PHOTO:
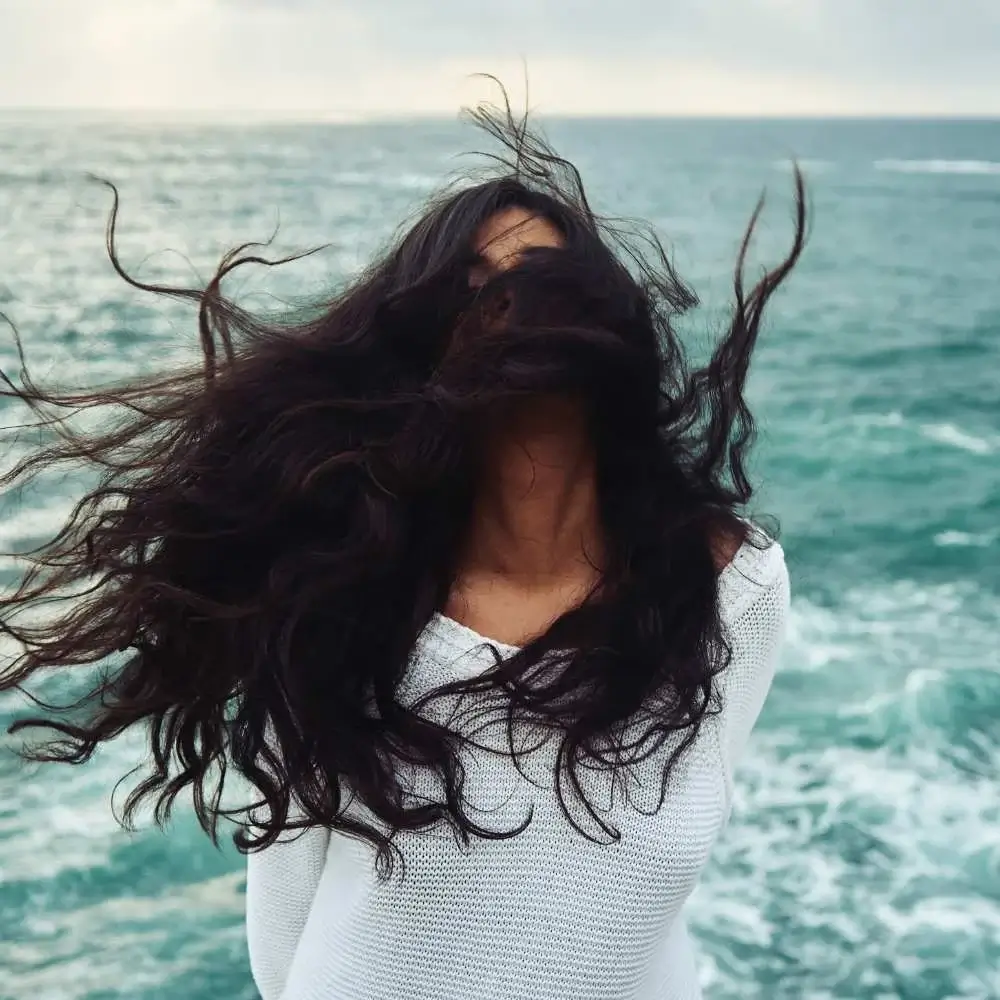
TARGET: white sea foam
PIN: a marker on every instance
(966, 539)
(126, 942)
(66, 815)
(939, 166)
(35, 521)
(943, 433)
(891, 419)
(861, 842)
(848, 834)
(64, 820)
(364, 179)
(896, 625)
(949, 434)
(222, 894)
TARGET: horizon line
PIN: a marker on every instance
(359, 117)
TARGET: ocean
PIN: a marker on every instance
(863, 856)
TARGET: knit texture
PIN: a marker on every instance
(549, 914)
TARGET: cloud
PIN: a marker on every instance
(640, 56)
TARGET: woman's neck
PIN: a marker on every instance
(535, 519)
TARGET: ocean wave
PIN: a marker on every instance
(942, 433)
(895, 625)
(39, 521)
(965, 539)
(365, 179)
(137, 934)
(954, 436)
(855, 852)
(893, 667)
(865, 420)
(939, 166)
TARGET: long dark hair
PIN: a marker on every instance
(274, 527)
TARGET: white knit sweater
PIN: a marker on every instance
(549, 914)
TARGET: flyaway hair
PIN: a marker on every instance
(274, 527)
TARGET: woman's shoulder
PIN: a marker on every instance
(754, 571)
(725, 542)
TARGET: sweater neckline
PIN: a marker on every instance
(459, 636)
(449, 628)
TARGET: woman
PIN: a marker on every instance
(439, 570)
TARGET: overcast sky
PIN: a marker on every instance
(583, 56)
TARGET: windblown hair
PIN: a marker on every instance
(274, 527)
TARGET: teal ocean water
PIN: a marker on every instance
(863, 859)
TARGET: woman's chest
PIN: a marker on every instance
(569, 904)
(626, 833)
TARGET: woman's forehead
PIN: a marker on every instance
(506, 233)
